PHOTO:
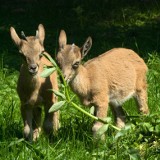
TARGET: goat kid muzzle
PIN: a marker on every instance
(67, 79)
(33, 69)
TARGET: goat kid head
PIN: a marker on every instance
(69, 56)
(30, 47)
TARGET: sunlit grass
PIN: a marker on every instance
(133, 24)
(75, 140)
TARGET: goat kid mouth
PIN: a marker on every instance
(67, 80)
(33, 73)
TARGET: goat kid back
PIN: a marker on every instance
(32, 88)
(107, 80)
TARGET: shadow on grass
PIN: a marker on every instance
(131, 24)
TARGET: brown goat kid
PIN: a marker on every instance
(32, 88)
(109, 79)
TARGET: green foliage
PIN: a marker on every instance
(47, 71)
(116, 23)
(56, 106)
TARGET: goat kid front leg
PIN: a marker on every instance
(27, 115)
(101, 109)
(36, 122)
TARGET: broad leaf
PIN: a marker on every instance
(107, 119)
(92, 110)
(56, 106)
(102, 130)
(47, 72)
(119, 134)
(57, 93)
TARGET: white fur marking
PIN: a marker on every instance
(118, 101)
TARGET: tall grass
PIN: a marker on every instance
(131, 24)
(139, 140)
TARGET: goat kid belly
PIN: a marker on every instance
(117, 99)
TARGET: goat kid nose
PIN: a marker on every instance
(65, 77)
(33, 69)
(33, 66)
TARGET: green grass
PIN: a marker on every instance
(140, 140)
(131, 24)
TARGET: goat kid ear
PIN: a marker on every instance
(62, 39)
(15, 37)
(86, 47)
(40, 33)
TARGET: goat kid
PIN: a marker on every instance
(109, 79)
(32, 88)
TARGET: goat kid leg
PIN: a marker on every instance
(27, 115)
(119, 115)
(36, 122)
(101, 106)
(141, 99)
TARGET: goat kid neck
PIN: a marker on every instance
(80, 84)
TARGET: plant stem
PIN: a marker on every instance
(83, 111)
(92, 116)
(65, 84)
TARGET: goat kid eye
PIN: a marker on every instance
(41, 54)
(75, 65)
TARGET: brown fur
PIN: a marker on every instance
(109, 79)
(32, 88)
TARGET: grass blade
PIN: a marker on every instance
(16, 142)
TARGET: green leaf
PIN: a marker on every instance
(127, 127)
(56, 106)
(134, 157)
(107, 119)
(157, 128)
(92, 110)
(148, 127)
(57, 93)
(134, 154)
(47, 71)
(119, 134)
(102, 130)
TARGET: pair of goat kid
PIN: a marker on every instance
(107, 80)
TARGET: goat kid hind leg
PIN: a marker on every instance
(119, 115)
(141, 99)
(141, 96)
